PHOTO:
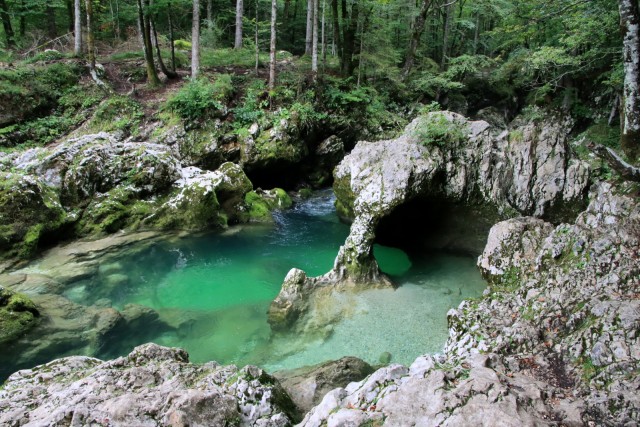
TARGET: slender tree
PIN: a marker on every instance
(239, 14)
(308, 42)
(195, 40)
(630, 26)
(446, 35)
(91, 47)
(171, 37)
(52, 29)
(314, 44)
(171, 74)
(6, 24)
(272, 46)
(77, 28)
(145, 26)
(418, 28)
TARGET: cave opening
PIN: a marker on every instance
(428, 225)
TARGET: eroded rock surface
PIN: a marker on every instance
(530, 172)
(98, 184)
(151, 386)
(553, 341)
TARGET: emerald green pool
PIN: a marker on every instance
(214, 290)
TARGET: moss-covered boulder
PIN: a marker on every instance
(17, 315)
(29, 211)
(204, 200)
(260, 203)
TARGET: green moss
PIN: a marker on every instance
(261, 204)
(18, 314)
(258, 208)
(344, 197)
(118, 113)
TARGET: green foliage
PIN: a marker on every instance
(252, 106)
(47, 55)
(199, 99)
(229, 57)
(118, 113)
(437, 129)
(182, 44)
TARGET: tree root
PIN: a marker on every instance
(626, 171)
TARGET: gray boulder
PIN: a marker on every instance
(151, 386)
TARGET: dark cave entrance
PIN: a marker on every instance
(433, 224)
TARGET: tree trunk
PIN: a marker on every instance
(195, 40)
(145, 24)
(91, 48)
(171, 37)
(308, 39)
(349, 46)
(52, 30)
(6, 24)
(336, 27)
(323, 37)
(445, 37)
(210, 13)
(418, 28)
(69, 4)
(169, 73)
(272, 46)
(23, 20)
(77, 28)
(239, 13)
(630, 26)
(314, 43)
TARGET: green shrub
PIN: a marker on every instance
(437, 129)
(197, 100)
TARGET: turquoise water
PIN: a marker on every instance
(212, 293)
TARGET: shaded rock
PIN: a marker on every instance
(18, 314)
(308, 385)
(29, 211)
(152, 386)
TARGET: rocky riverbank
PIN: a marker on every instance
(553, 341)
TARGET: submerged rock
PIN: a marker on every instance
(151, 386)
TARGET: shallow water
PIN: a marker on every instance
(214, 291)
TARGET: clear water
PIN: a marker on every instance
(214, 290)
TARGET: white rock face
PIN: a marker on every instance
(530, 173)
(151, 386)
(552, 341)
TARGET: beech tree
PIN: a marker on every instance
(195, 40)
(239, 15)
(77, 27)
(630, 26)
(272, 46)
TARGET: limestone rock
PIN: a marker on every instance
(151, 386)
(307, 386)
(532, 174)
(551, 342)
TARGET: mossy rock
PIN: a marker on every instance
(29, 210)
(18, 314)
(345, 197)
(261, 203)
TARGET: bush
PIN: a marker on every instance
(198, 99)
(437, 129)
(117, 113)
